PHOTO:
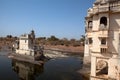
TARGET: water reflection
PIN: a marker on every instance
(54, 69)
(26, 71)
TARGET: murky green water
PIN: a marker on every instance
(54, 69)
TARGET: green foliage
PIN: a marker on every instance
(9, 36)
(82, 39)
(52, 38)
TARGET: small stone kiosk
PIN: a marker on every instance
(102, 45)
(26, 49)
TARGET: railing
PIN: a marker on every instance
(103, 32)
(103, 46)
(115, 8)
(103, 28)
(104, 50)
(106, 9)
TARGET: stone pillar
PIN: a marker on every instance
(93, 66)
(87, 57)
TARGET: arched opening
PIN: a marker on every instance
(90, 24)
(103, 22)
(102, 68)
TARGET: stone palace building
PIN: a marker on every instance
(102, 45)
(25, 48)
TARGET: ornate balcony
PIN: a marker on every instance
(115, 8)
(103, 50)
(103, 34)
(103, 46)
(89, 26)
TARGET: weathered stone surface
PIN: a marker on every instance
(101, 64)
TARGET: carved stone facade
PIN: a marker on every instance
(102, 45)
(25, 46)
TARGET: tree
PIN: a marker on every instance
(65, 41)
(82, 39)
(72, 40)
(52, 38)
(9, 36)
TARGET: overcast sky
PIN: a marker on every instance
(62, 18)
